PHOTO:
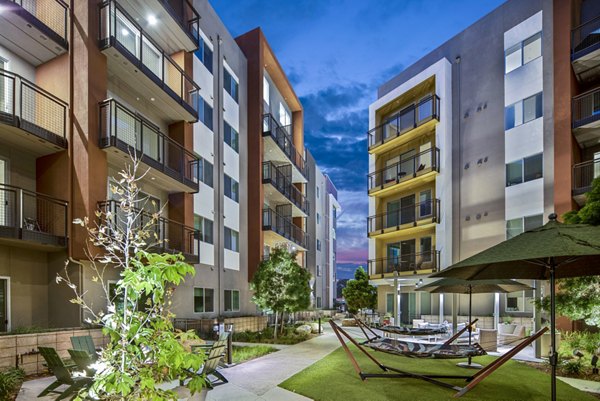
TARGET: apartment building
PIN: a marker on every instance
(321, 257)
(462, 155)
(277, 172)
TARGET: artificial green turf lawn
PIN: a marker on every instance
(333, 378)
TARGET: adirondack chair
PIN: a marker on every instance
(63, 376)
(83, 360)
(214, 355)
(85, 343)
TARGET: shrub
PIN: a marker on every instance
(572, 366)
(10, 380)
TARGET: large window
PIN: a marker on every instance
(232, 240)
(230, 84)
(523, 52)
(231, 137)
(527, 169)
(232, 300)
(516, 226)
(205, 228)
(205, 111)
(519, 301)
(204, 300)
(523, 111)
(284, 116)
(231, 189)
(205, 55)
(389, 303)
(266, 91)
(205, 172)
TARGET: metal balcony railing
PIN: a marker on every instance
(273, 175)
(428, 210)
(186, 15)
(405, 169)
(31, 216)
(284, 226)
(585, 37)
(52, 13)
(130, 132)
(583, 175)
(119, 30)
(171, 236)
(586, 108)
(25, 105)
(281, 136)
(410, 263)
(407, 119)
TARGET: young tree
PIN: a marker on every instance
(577, 298)
(144, 349)
(359, 294)
(281, 284)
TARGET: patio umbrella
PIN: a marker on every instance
(460, 286)
(552, 251)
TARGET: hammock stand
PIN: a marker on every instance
(394, 373)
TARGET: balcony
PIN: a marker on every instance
(173, 24)
(405, 174)
(32, 220)
(282, 229)
(281, 190)
(585, 50)
(31, 118)
(409, 219)
(124, 132)
(410, 264)
(583, 175)
(36, 30)
(170, 236)
(586, 118)
(139, 62)
(409, 123)
(279, 146)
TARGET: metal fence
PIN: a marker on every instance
(405, 169)
(583, 175)
(413, 262)
(586, 108)
(284, 226)
(52, 13)
(273, 175)
(187, 16)
(427, 210)
(282, 137)
(585, 36)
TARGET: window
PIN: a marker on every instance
(266, 91)
(205, 172)
(232, 300)
(204, 300)
(231, 137)
(284, 116)
(205, 111)
(319, 271)
(318, 245)
(426, 249)
(523, 111)
(205, 228)
(425, 203)
(232, 240)
(318, 218)
(527, 169)
(231, 188)
(516, 226)
(318, 192)
(230, 84)
(523, 52)
(389, 303)
(519, 301)
(319, 302)
(205, 55)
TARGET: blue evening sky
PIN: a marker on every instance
(336, 53)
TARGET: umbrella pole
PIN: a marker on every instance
(469, 364)
(553, 355)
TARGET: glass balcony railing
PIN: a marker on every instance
(130, 132)
(583, 175)
(285, 227)
(281, 136)
(406, 120)
(407, 168)
(119, 30)
(274, 176)
(427, 210)
(169, 236)
(25, 105)
(33, 217)
(409, 263)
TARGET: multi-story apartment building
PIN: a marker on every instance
(277, 204)
(463, 153)
(321, 257)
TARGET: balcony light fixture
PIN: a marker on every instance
(152, 20)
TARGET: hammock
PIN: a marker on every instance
(423, 350)
(414, 331)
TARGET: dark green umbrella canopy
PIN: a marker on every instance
(575, 249)
(460, 286)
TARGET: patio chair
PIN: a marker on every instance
(214, 355)
(83, 360)
(63, 376)
(85, 343)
